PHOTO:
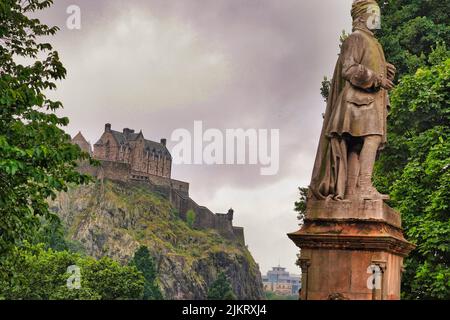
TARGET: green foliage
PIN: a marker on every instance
(221, 289)
(344, 35)
(300, 205)
(410, 28)
(38, 273)
(420, 101)
(144, 262)
(269, 295)
(325, 88)
(190, 218)
(36, 156)
(414, 169)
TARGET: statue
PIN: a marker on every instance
(354, 127)
(352, 248)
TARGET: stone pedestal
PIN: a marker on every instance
(351, 250)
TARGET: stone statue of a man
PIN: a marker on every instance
(354, 127)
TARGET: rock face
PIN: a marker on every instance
(115, 218)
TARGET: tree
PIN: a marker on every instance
(414, 166)
(221, 289)
(37, 273)
(325, 88)
(36, 156)
(410, 28)
(300, 205)
(144, 262)
(414, 169)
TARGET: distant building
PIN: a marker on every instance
(279, 281)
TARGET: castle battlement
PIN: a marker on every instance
(128, 157)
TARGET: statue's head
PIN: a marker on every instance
(366, 13)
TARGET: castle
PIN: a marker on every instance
(129, 157)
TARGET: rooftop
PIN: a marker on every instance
(128, 135)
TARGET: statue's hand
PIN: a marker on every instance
(391, 71)
(387, 84)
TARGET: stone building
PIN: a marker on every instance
(82, 143)
(279, 281)
(143, 155)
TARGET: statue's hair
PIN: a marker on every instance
(357, 1)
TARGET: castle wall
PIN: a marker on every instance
(84, 167)
(224, 225)
(161, 181)
(180, 186)
(205, 218)
(239, 234)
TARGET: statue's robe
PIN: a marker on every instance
(357, 107)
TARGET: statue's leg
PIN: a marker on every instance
(367, 162)
(352, 174)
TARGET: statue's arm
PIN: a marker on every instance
(357, 74)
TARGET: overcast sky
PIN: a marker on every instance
(159, 65)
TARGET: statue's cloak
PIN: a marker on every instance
(330, 167)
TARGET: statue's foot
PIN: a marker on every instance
(370, 193)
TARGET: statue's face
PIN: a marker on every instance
(374, 19)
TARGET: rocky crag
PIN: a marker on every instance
(114, 218)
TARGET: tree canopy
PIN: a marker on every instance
(414, 168)
(415, 171)
(144, 262)
(410, 28)
(37, 273)
(221, 289)
(36, 156)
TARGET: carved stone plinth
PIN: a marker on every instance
(351, 250)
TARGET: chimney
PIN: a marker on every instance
(108, 127)
(127, 131)
(164, 142)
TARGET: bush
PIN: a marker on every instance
(36, 273)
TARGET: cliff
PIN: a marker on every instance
(115, 218)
